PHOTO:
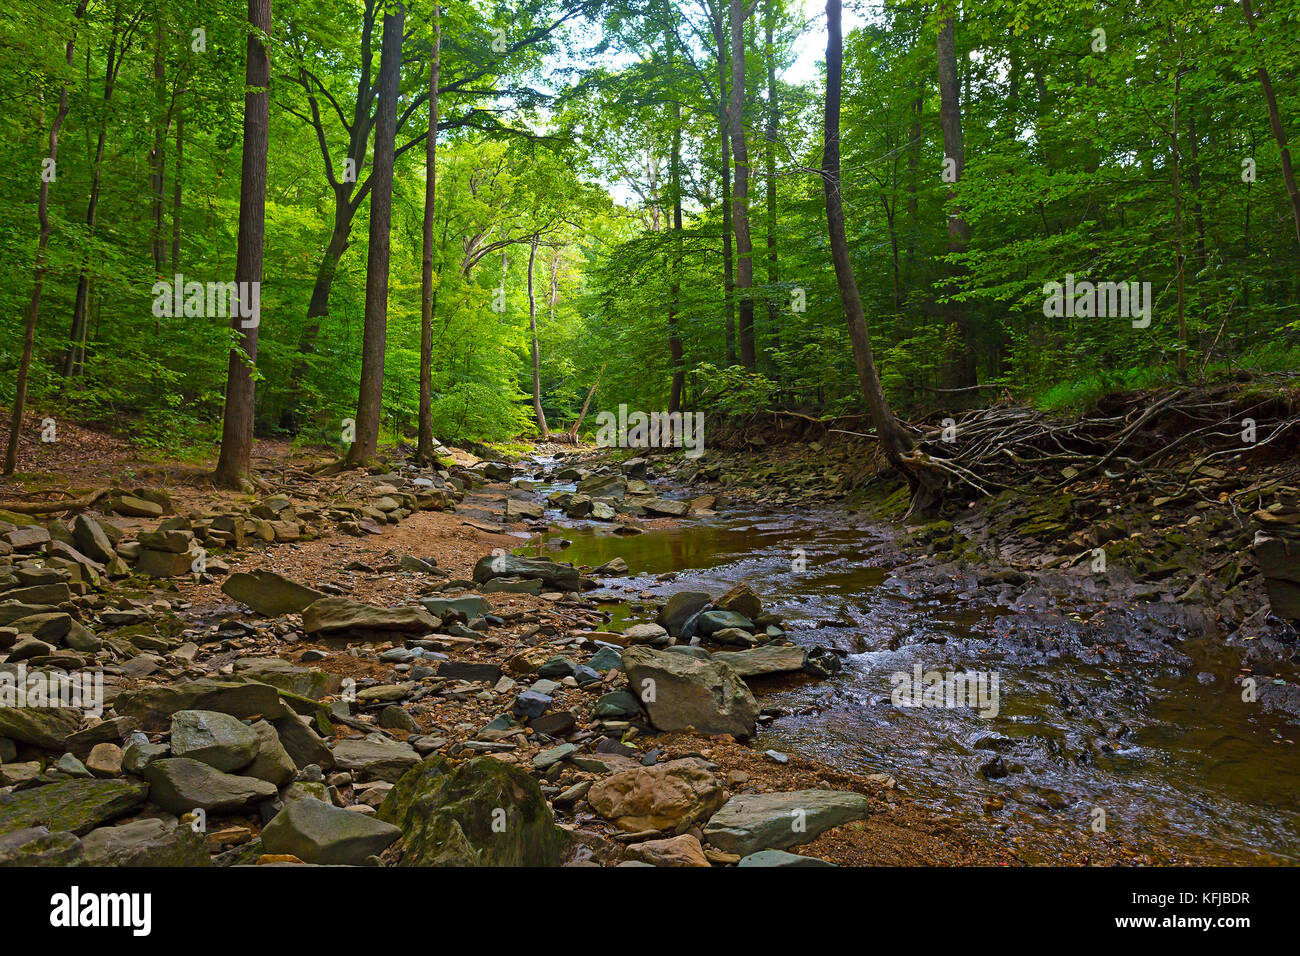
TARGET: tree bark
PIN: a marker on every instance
(1275, 121)
(773, 119)
(237, 428)
(740, 194)
(894, 441)
(675, 353)
(537, 356)
(41, 266)
(424, 443)
(728, 261)
(176, 189)
(962, 365)
(374, 337)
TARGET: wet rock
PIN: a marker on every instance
(561, 577)
(706, 695)
(334, 616)
(769, 659)
(680, 607)
(710, 622)
(216, 739)
(270, 594)
(147, 842)
(180, 784)
(742, 600)
(669, 796)
(77, 806)
(733, 637)
(482, 813)
(651, 634)
(753, 822)
(316, 832)
(682, 850)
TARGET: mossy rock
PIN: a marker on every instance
(482, 813)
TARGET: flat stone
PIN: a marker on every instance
(319, 833)
(752, 822)
(375, 758)
(335, 615)
(270, 594)
(780, 858)
(45, 727)
(180, 784)
(679, 607)
(77, 806)
(683, 850)
(153, 706)
(769, 659)
(146, 842)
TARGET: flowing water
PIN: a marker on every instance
(1152, 742)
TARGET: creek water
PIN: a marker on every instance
(1152, 743)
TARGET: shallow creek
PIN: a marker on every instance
(1152, 741)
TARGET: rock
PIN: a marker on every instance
(396, 717)
(617, 705)
(105, 760)
(304, 746)
(733, 637)
(146, 842)
(270, 594)
(670, 796)
(603, 486)
(482, 813)
(180, 784)
(711, 622)
(316, 832)
(769, 659)
(780, 858)
(165, 564)
(616, 566)
(27, 538)
(133, 507)
(662, 506)
(530, 704)
(468, 671)
(517, 509)
(153, 706)
(37, 846)
(272, 763)
(752, 822)
(216, 739)
(683, 692)
(680, 606)
(546, 759)
(91, 539)
(174, 541)
(286, 676)
(682, 850)
(375, 758)
(742, 600)
(77, 806)
(606, 659)
(45, 727)
(1278, 559)
(561, 577)
(335, 615)
(652, 634)
(470, 606)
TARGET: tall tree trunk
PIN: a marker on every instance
(962, 364)
(73, 357)
(728, 262)
(537, 354)
(1180, 259)
(1275, 121)
(176, 189)
(40, 268)
(424, 443)
(894, 441)
(740, 195)
(158, 155)
(675, 353)
(374, 338)
(773, 120)
(237, 428)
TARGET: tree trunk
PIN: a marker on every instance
(176, 190)
(38, 278)
(728, 266)
(895, 442)
(773, 309)
(424, 443)
(158, 156)
(370, 400)
(537, 355)
(1275, 121)
(740, 194)
(237, 429)
(675, 353)
(1180, 259)
(962, 365)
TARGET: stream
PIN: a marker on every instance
(1151, 743)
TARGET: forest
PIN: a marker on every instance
(602, 433)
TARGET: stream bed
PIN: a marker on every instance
(1108, 717)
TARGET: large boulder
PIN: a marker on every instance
(669, 796)
(561, 577)
(217, 739)
(146, 842)
(679, 608)
(47, 727)
(742, 600)
(153, 706)
(272, 763)
(77, 806)
(333, 616)
(270, 594)
(762, 821)
(482, 813)
(680, 692)
(316, 832)
(180, 784)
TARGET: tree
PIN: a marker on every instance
(1275, 123)
(424, 442)
(962, 363)
(42, 242)
(237, 425)
(740, 195)
(375, 335)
